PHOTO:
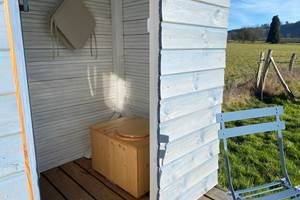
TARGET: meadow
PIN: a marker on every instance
(255, 158)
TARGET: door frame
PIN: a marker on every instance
(17, 56)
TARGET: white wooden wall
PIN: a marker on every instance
(13, 179)
(193, 42)
(70, 92)
(136, 56)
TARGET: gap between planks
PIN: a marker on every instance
(77, 180)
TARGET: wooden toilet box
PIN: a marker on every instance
(120, 152)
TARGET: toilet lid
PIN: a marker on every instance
(136, 129)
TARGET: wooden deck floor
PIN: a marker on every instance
(78, 181)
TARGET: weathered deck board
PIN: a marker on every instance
(77, 180)
(86, 164)
(97, 189)
(66, 185)
(48, 192)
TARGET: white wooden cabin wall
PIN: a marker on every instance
(70, 92)
(13, 178)
(136, 56)
(193, 42)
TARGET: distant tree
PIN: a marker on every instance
(274, 32)
(265, 26)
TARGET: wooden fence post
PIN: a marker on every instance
(292, 62)
(264, 73)
(259, 69)
(282, 81)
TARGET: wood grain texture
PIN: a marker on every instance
(9, 116)
(94, 184)
(86, 164)
(13, 186)
(217, 193)
(11, 154)
(181, 36)
(124, 162)
(187, 11)
(194, 186)
(193, 42)
(97, 189)
(178, 106)
(48, 192)
(191, 142)
(189, 123)
(185, 83)
(224, 3)
(7, 84)
(4, 45)
(183, 61)
(170, 173)
(67, 186)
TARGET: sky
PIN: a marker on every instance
(245, 13)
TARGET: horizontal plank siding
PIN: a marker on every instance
(179, 168)
(175, 190)
(187, 12)
(9, 115)
(71, 91)
(12, 187)
(7, 84)
(177, 106)
(136, 56)
(13, 180)
(185, 83)
(173, 61)
(223, 3)
(193, 42)
(185, 145)
(4, 45)
(189, 123)
(182, 36)
(12, 155)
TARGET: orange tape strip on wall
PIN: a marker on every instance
(18, 94)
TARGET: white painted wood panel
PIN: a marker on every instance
(180, 36)
(185, 83)
(174, 62)
(178, 188)
(12, 187)
(136, 27)
(137, 10)
(177, 106)
(13, 180)
(187, 11)
(9, 115)
(12, 155)
(190, 143)
(201, 188)
(182, 126)
(7, 84)
(4, 44)
(171, 172)
(193, 42)
(23, 99)
(70, 92)
(224, 3)
(136, 56)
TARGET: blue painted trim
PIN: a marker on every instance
(249, 114)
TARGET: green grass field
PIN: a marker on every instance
(255, 158)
